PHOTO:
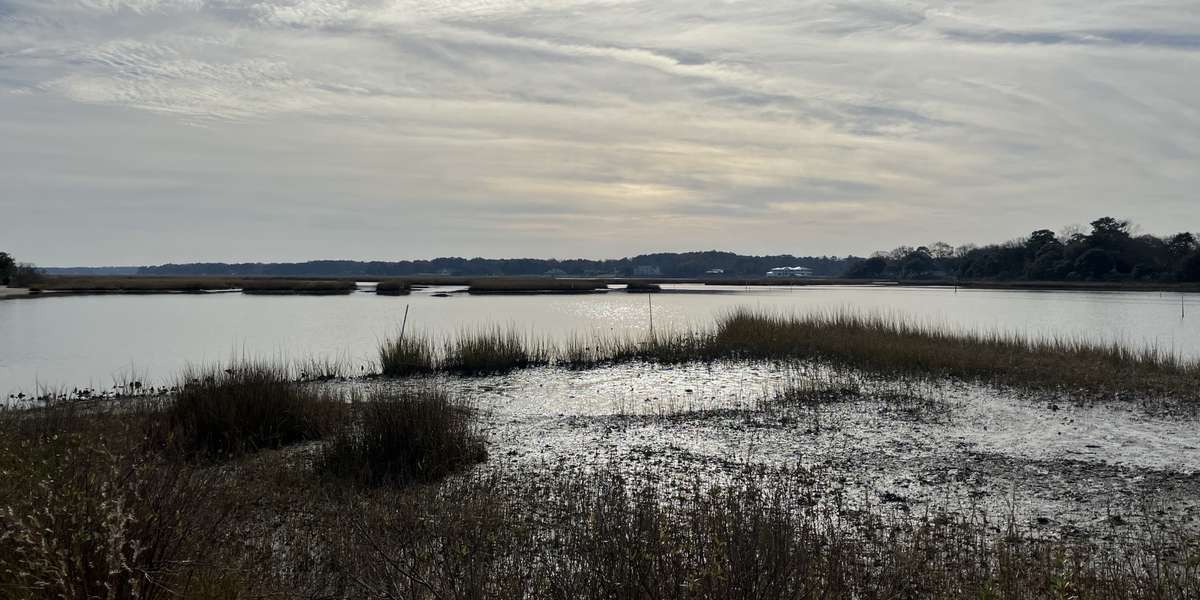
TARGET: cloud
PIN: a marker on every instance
(841, 126)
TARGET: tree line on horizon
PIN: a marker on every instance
(665, 264)
(1111, 251)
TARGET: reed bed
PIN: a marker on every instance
(884, 345)
(297, 287)
(245, 407)
(494, 351)
(608, 535)
(893, 345)
(90, 509)
(416, 435)
(135, 285)
(517, 285)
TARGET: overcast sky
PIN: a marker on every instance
(149, 131)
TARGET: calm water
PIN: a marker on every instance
(94, 340)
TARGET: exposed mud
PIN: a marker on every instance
(1094, 470)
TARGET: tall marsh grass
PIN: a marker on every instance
(87, 512)
(761, 536)
(414, 435)
(245, 407)
(893, 345)
(885, 345)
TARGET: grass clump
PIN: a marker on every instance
(493, 351)
(244, 408)
(412, 436)
(409, 354)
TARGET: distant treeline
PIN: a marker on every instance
(1111, 251)
(685, 264)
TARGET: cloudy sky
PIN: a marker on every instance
(148, 131)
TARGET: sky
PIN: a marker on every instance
(150, 131)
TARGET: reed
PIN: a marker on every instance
(494, 350)
(245, 407)
(407, 354)
(517, 285)
(761, 536)
(415, 435)
(297, 287)
(892, 345)
(134, 285)
(86, 512)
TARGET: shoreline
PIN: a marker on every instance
(152, 286)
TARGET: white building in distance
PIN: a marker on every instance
(782, 272)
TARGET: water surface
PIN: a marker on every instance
(94, 340)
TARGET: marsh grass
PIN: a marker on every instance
(135, 285)
(245, 407)
(415, 435)
(518, 285)
(885, 346)
(494, 350)
(407, 354)
(321, 369)
(393, 287)
(87, 512)
(893, 346)
(329, 287)
(760, 536)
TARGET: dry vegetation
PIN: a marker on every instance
(887, 346)
(519, 285)
(91, 511)
(195, 285)
(297, 287)
(134, 285)
(393, 287)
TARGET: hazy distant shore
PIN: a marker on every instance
(62, 286)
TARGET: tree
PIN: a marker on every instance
(1190, 269)
(1095, 263)
(25, 274)
(1181, 245)
(917, 264)
(7, 265)
(866, 269)
(1039, 240)
(1108, 233)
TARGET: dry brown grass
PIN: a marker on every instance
(894, 346)
(413, 435)
(222, 412)
(519, 285)
(135, 285)
(87, 511)
(297, 287)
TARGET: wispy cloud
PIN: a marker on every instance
(571, 127)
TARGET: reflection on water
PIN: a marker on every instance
(92, 340)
